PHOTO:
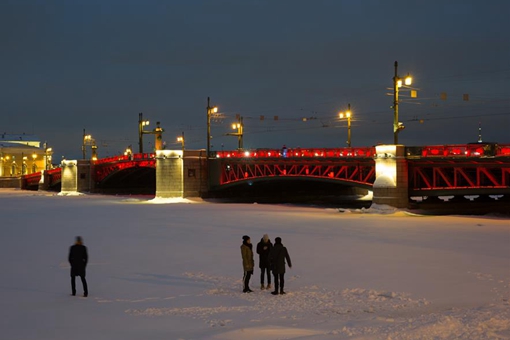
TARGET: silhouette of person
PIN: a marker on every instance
(277, 257)
(78, 258)
(248, 263)
(263, 249)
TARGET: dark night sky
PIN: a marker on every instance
(70, 65)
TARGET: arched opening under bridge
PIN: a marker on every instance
(294, 190)
(135, 181)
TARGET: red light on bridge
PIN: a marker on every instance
(456, 152)
(504, 151)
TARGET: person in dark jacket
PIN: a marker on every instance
(248, 263)
(78, 259)
(277, 257)
(263, 249)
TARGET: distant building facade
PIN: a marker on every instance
(22, 154)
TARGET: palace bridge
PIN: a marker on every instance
(393, 173)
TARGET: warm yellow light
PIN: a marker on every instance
(348, 114)
(34, 156)
(341, 115)
(49, 150)
(215, 109)
(409, 80)
(399, 83)
(180, 139)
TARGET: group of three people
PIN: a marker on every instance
(271, 258)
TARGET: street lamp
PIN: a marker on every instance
(397, 83)
(128, 152)
(347, 114)
(47, 156)
(141, 124)
(181, 140)
(94, 152)
(87, 140)
(210, 110)
(239, 126)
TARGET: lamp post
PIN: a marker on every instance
(87, 140)
(47, 156)
(94, 152)
(347, 114)
(141, 124)
(397, 83)
(128, 152)
(181, 140)
(239, 126)
(210, 110)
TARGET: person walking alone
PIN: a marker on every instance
(78, 258)
(263, 249)
(248, 263)
(277, 257)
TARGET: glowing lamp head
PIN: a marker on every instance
(341, 115)
(408, 80)
(399, 83)
(214, 109)
(348, 114)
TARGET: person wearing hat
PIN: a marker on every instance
(248, 263)
(277, 257)
(78, 259)
(263, 249)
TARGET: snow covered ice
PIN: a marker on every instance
(169, 269)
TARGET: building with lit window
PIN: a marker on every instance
(23, 154)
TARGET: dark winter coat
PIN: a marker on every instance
(264, 253)
(78, 259)
(277, 256)
(247, 255)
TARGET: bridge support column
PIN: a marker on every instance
(44, 181)
(391, 176)
(169, 174)
(76, 176)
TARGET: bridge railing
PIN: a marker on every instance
(460, 150)
(298, 153)
(30, 179)
(135, 156)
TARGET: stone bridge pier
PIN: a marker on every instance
(169, 174)
(181, 174)
(76, 176)
(391, 185)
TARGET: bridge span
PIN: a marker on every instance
(389, 171)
